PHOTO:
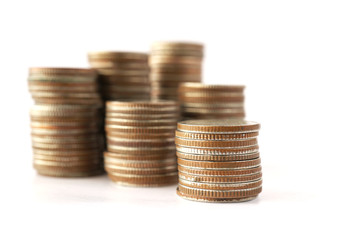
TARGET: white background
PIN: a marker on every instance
(300, 61)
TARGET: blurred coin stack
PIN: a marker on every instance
(122, 75)
(140, 140)
(66, 122)
(218, 160)
(201, 101)
(173, 63)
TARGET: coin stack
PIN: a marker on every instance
(64, 86)
(200, 101)
(122, 75)
(140, 140)
(218, 160)
(173, 63)
(65, 122)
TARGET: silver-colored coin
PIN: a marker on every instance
(220, 151)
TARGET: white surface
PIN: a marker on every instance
(300, 62)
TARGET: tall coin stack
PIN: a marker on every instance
(65, 122)
(173, 63)
(122, 75)
(218, 160)
(201, 101)
(140, 140)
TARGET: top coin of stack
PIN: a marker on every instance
(64, 86)
(201, 101)
(218, 160)
(123, 75)
(172, 63)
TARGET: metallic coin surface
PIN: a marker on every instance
(220, 179)
(221, 186)
(222, 172)
(250, 192)
(214, 200)
(215, 137)
(215, 144)
(219, 165)
(218, 126)
(220, 158)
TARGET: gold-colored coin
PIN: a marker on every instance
(242, 193)
(214, 200)
(215, 137)
(219, 165)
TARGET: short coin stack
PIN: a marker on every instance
(140, 140)
(64, 86)
(173, 63)
(66, 132)
(218, 160)
(122, 75)
(201, 101)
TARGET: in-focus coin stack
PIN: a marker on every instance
(66, 122)
(218, 160)
(140, 141)
(173, 63)
(201, 101)
(122, 75)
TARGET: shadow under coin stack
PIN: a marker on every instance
(201, 101)
(66, 122)
(218, 160)
(173, 63)
(140, 140)
(122, 75)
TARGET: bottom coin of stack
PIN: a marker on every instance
(218, 160)
(66, 140)
(140, 141)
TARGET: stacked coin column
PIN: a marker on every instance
(140, 139)
(123, 75)
(218, 160)
(173, 63)
(65, 122)
(201, 101)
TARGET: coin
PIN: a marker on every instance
(221, 186)
(139, 171)
(140, 150)
(118, 55)
(219, 165)
(221, 158)
(62, 71)
(220, 179)
(215, 137)
(136, 157)
(214, 200)
(218, 151)
(141, 164)
(220, 88)
(216, 144)
(218, 126)
(178, 45)
(250, 192)
(210, 172)
(144, 180)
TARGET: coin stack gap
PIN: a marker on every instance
(66, 122)
(140, 140)
(122, 75)
(172, 63)
(201, 101)
(218, 160)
